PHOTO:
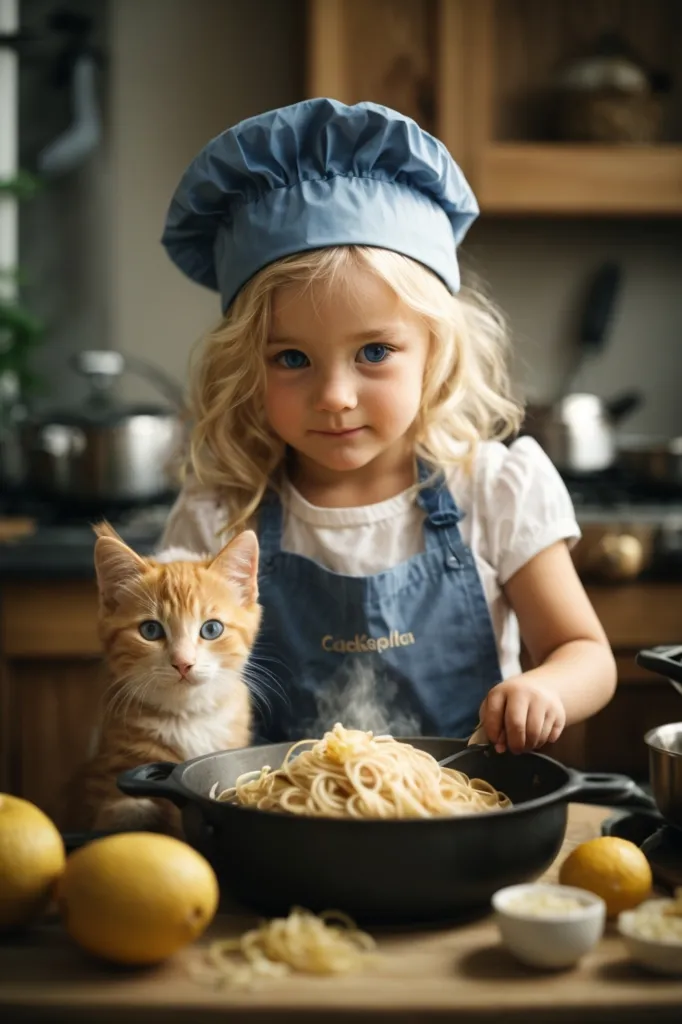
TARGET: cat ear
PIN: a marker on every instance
(238, 563)
(105, 529)
(115, 564)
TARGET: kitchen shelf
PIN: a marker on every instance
(479, 73)
(549, 178)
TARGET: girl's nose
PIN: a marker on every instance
(335, 392)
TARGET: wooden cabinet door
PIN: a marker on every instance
(51, 682)
(51, 708)
(407, 54)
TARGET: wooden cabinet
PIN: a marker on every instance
(51, 681)
(481, 74)
(52, 707)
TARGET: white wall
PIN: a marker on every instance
(181, 72)
(538, 269)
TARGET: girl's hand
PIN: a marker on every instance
(521, 715)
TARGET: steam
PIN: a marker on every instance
(362, 697)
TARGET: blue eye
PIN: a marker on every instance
(375, 353)
(211, 630)
(292, 359)
(152, 630)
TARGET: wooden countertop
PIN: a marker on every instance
(458, 974)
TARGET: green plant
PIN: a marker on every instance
(20, 330)
(22, 186)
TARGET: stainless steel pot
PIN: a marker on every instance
(665, 741)
(665, 769)
(105, 451)
(579, 431)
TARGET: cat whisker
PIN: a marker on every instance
(136, 690)
(259, 669)
(143, 690)
(259, 653)
(124, 711)
(260, 701)
(257, 689)
(263, 682)
(260, 672)
(259, 685)
(116, 700)
(269, 682)
(113, 683)
(266, 649)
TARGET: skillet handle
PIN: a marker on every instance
(613, 790)
(664, 661)
(153, 780)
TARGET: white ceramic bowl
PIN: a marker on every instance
(553, 939)
(663, 957)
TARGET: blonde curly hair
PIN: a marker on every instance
(466, 398)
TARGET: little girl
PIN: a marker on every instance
(351, 406)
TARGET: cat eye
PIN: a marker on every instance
(152, 630)
(211, 629)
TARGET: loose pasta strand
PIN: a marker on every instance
(303, 942)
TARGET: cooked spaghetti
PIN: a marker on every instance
(301, 942)
(354, 774)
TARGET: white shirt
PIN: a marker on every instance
(514, 505)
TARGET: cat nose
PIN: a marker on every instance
(182, 666)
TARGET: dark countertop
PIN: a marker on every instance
(57, 551)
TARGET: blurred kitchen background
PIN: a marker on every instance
(508, 84)
(567, 119)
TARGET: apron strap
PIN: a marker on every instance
(270, 525)
(442, 514)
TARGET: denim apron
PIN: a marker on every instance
(410, 650)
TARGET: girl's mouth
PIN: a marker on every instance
(338, 433)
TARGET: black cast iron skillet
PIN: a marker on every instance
(380, 871)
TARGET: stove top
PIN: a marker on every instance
(72, 513)
(613, 490)
(660, 841)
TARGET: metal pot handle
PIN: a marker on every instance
(103, 367)
(610, 789)
(154, 780)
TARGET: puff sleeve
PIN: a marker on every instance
(526, 507)
(194, 523)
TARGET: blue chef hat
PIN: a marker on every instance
(316, 174)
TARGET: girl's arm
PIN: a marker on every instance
(576, 671)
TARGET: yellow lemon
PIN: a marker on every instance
(31, 860)
(613, 868)
(137, 897)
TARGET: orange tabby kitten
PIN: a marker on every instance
(177, 636)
